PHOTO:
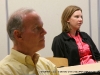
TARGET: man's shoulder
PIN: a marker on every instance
(7, 62)
(9, 66)
(5, 65)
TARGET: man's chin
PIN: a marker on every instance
(41, 47)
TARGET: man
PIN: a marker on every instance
(25, 29)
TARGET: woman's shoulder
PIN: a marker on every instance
(84, 34)
(60, 36)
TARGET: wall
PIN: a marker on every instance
(50, 12)
(3, 36)
(94, 22)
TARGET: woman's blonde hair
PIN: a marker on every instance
(67, 13)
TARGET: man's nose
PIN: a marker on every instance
(44, 32)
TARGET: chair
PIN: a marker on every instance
(59, 62)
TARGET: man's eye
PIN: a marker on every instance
(36, 28)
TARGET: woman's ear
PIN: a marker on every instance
(68, 21)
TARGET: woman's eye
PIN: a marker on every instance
(81, 16)
(77, 16)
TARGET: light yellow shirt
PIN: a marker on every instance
(19, 64)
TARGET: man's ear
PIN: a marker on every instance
(17, 35)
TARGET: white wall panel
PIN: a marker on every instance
(3, 34)
(98, 12)
(94, 21)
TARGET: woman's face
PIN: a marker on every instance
(76, 20)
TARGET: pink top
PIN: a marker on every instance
(84, 50)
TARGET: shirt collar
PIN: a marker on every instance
(24, 59)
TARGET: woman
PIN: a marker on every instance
(73, 44)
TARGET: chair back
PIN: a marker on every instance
(59, 62)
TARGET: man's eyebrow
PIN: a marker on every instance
(35, 26)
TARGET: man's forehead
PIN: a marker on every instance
(32, 18)
(32, 15)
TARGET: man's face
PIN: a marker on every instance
(33, 32)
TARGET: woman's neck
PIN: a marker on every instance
(73, 32)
